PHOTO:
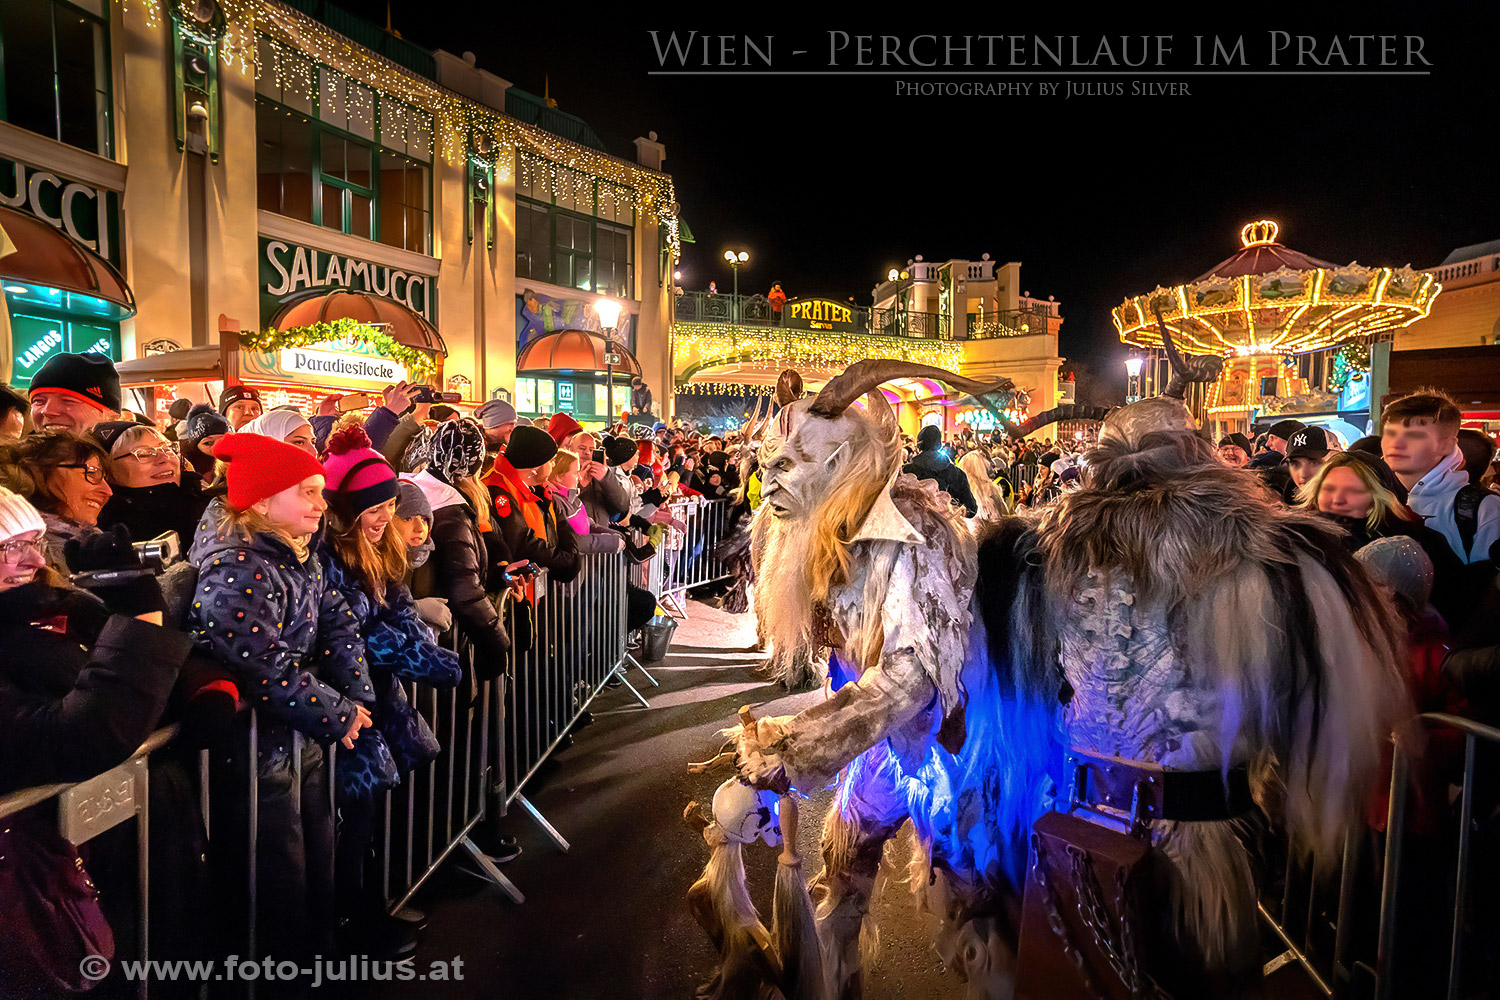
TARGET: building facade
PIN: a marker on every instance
(256, 170)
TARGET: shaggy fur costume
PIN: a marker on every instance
(1199, 626)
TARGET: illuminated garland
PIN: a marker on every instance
(705, 344)
(461, 126)
(725, 389)
(418, 363)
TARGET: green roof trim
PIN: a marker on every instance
(684, 234)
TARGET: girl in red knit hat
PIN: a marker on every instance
(264, 608)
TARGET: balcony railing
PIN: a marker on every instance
(1007, 323)
(755, 310)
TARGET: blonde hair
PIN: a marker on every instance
(376, 563)
(1382, 500)
(478, 496)
(838, 518)
(564, 462)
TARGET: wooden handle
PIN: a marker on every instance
(789, 831)
(747, 718)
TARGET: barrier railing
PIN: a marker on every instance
(687, 557)
(494, 737)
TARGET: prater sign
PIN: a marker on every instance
(819, 314)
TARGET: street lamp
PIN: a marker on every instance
(608, 311)
(1133, 386)
(736, 258)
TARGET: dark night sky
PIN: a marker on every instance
(830, 181)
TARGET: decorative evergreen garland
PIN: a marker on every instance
(418, 363)
(1350, 364)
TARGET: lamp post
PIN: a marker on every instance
(736, 258)
(608, 311)
(1133, 385)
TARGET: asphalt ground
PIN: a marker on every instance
(609, 918)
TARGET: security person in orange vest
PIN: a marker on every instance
(522, 514)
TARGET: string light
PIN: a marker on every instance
(703, 345)
(459, 124)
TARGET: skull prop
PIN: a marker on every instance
(746, 815)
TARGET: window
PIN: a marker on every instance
(55, 55)
(332, 152)
(526, 395)
(284, 162)
(574, 229)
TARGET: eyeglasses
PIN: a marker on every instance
(147, 454)
(17, 548)
(92, 474)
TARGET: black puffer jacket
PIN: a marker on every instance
(1448, 580)
(950, 478)
(80, 690)
(459, 567)
(150, 510)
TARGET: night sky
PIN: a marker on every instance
(829, 181)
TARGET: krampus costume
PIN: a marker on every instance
(879, 567)
(1216, 650)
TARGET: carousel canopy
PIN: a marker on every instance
(404, 325)
(1271, 299)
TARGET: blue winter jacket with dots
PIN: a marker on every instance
(288, 637)
(398, 647)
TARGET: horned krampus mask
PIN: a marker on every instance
(813, 442)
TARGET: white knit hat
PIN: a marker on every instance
(17, 516)
(278, 424)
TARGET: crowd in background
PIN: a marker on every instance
(321, 563)
(332, 556)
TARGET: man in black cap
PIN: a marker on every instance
(73, 392)
(240, 404)
(932, 462)
(1271, 463)
(1234, 450)
(1305, 452)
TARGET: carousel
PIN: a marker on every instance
(1263, 308)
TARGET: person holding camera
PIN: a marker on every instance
(264, 608)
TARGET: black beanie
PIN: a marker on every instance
(234, 393)
(204, 421)
(1238, 439)
(107, 432)
(91, 377)
(529, 448)
(618, 451)
(929, 437)
(179, 409)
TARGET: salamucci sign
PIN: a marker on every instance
(289, 271)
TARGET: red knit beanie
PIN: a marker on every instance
(258, 467)
(562, 426)
(359, 477)
(643, 452)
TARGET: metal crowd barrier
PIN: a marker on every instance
(1318, 917)
(688, 557)
(495, 736)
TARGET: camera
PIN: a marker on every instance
(156, 555)
(427, 394)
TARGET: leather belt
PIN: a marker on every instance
(1134, 792)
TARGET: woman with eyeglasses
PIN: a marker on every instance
(63, 476)
(153, 493)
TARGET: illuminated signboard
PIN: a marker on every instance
(819, 314)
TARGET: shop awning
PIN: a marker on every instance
(404, 325)
(574, 351)
(47, 265)
(191, 364)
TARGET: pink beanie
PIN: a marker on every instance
(359, 477)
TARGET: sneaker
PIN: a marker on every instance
(585, 718)
(411, 915)
(505, 852)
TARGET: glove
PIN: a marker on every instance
(434, 611)
(106, 550)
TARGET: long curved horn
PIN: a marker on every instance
(1064, 411)
(877, 406)
(788, 387)
(1185, 370)
(862, 376)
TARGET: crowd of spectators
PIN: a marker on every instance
(306, 565)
